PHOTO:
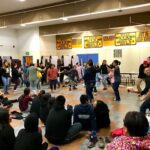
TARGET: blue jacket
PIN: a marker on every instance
(89, 75)
(84, 113)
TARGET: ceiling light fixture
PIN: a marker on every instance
(22, 0)
(23, 25)
(3, 27)
(88, 14)
(65, 19)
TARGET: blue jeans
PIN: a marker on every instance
(73, 132)
(33, 84)
(5, 81)
(104, 80)
(115, 87)
(89, 90)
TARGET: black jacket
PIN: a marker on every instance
(89, 75)
(28, 141)
(58, 124)
(15, 74)
(142, 75)
(35, 107)
(5, 72)
(103, 69)
(7, 137)
(147, 86)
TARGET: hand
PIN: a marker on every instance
(142, 98)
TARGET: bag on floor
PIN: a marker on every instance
(117, 132)
(16, 115)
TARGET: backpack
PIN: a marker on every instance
(102, 115)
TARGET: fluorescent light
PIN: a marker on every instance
(43, 21)
(3, 27)
(22, 0)
(65, 19)
(136, 6)
(23, 25)
(89, 14)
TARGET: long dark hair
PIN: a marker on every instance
(31, 123)
(4, 116)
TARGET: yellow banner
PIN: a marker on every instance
(109, 40)
(93, 41)
(76, 43)
(63, 44)
(122, 39)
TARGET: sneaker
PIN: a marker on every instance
(101, 143)
(92, 142)
(108, 139)
(6, 93)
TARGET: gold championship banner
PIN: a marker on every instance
(93, 41)
(98, 41)
(63, 44)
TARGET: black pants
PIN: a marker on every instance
(52, 84)
(145, 105)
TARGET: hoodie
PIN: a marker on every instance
(84, 113)
(58, 124)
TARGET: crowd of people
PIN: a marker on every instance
(64, 123)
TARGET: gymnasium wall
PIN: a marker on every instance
(29, 42)
(132, 56)
(8, 43)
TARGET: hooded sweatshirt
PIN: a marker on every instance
(58, 124)
(84, 113)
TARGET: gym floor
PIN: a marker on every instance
(129, 102)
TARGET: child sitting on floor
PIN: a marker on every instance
(24, 100)
(5, 102)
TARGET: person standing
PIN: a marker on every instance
(104, 73)
(33, 79)
(52, 73)
(117, 79)
(89, 79)
(15, 76)
(79, 70)
(141, 75)
(5, 76)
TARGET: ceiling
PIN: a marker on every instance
(74, 12)
(7, 6)
(89, 17)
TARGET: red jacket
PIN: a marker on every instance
(52, 73)
(24, 102)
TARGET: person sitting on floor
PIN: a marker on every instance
(84, 113)
(35, 106)
(58, 126)
(44, 107)
(146, 93)
(136, 130)
(102, 115)
(24, 100)
(7, 136)
(5, 102)
(30, 138)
